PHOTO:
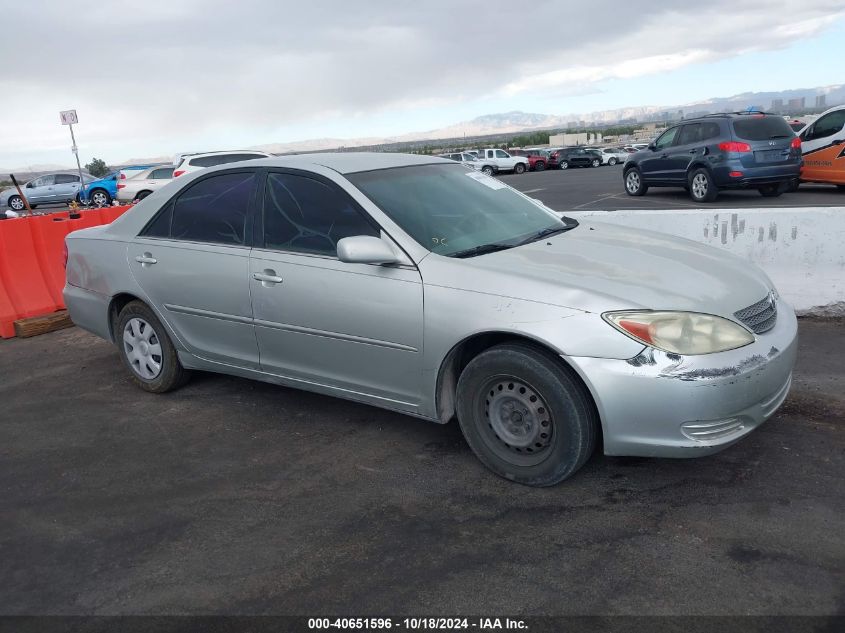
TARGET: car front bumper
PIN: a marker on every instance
(665, 405)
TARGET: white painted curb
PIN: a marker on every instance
(801, 249)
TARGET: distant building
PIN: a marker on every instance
(796, 104)
(821, 102)
(777, 105)
(567, 140)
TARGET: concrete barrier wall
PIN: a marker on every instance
(801, 249)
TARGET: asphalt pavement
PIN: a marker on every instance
(601, 189)
(237, 497)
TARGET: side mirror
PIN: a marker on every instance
(652, 146)
(365, 249)
(29, 185)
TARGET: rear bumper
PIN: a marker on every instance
(755, 176)
(661, 405)
(89, 310)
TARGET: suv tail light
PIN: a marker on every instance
(734, 146)
(178, 173)
(796, 143)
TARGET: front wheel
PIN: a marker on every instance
(519, 168)
(16, 203)
(564, 164)
(525, 416)
(701, 186)
(596, 162)
(634, 185)
(612, 161)
(540, 166)
(840, 187)
(487, 170)
(147, 351)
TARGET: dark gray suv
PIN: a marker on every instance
(721, 151)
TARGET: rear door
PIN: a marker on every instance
(65, 187)
(823, 145)
(192, 261)
(355, 328)
(686, 147)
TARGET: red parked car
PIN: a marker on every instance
(537, 160)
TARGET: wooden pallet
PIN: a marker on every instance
(33, 326)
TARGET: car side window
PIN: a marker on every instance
(38, 182)
(305, 215)
(212, 210)
(161, 174)
(64, 179)
(690, 133)
(666, 139)
(501, 154)
(710, 130)
(828, 125)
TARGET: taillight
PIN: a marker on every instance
(178, 172)
(734, 146)
(64, 255)
(796, 143)
(120, 185)
(122, 176)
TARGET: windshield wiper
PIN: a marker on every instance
(779, 136)
(481, 249)
(552, 230)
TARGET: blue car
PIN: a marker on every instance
(102, 192)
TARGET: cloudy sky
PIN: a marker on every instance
(151, 78)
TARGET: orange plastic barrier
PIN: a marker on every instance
(32, 273)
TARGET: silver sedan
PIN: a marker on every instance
(418, 285)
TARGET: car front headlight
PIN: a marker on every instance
(686, 333)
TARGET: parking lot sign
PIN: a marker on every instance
(68, 117)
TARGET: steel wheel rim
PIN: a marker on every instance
(16, 203)
(596, 163)
(516, 422)
(142, 347)
(632, 181)
(487, 171)
(699, 185)
(99, 198)
(564, 165)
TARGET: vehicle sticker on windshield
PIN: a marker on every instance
(487, 181)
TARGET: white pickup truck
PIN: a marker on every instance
(496, 160)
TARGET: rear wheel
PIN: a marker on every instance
(634, 185)
(612, 161)
(540, 166)
(793, 185)
(564, 164)
(701, 186)
(596, 162)
(16, 203)
(141, 195)
(487, 169)
(524, 416)
(519, 168)
(840, 187)
(770, 191)
(147, 351)
(100, 198)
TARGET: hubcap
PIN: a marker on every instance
(699, 186)
(632, 181)
(564, 165)
(16, 203)
(516, 416)
(142, 348)
(99, 198)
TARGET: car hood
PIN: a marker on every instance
(597, 267)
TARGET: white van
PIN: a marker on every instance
(823, 147)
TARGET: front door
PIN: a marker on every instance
(355, 328)
(192, 261)
(823, 147)
(655, 166)
(41, 191)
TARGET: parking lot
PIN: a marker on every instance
(238, 497)
(602, 189)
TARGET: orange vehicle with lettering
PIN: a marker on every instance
(823, 147)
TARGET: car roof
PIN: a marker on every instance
(225, 152)
(351, 162)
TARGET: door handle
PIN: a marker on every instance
(267, 277)
(146, 259)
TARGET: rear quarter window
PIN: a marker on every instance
(761, 128)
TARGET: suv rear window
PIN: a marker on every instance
(755, 128)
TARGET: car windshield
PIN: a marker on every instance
(449, 210)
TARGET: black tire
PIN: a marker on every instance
(519, 168)
(487, 169)
(634, 183)
(612, 161)
(701, 186)
(840, 187)
(16, 203)
(793, 185)
(171, 374)
(564, 164)
(770, 191)
(596, 162)
(539, 398)
(142, 194)
(540, 166)
(99, 198)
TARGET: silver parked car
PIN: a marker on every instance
(46, 189)
(142, 184)
(415, 284)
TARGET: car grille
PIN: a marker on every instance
(761, 316)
